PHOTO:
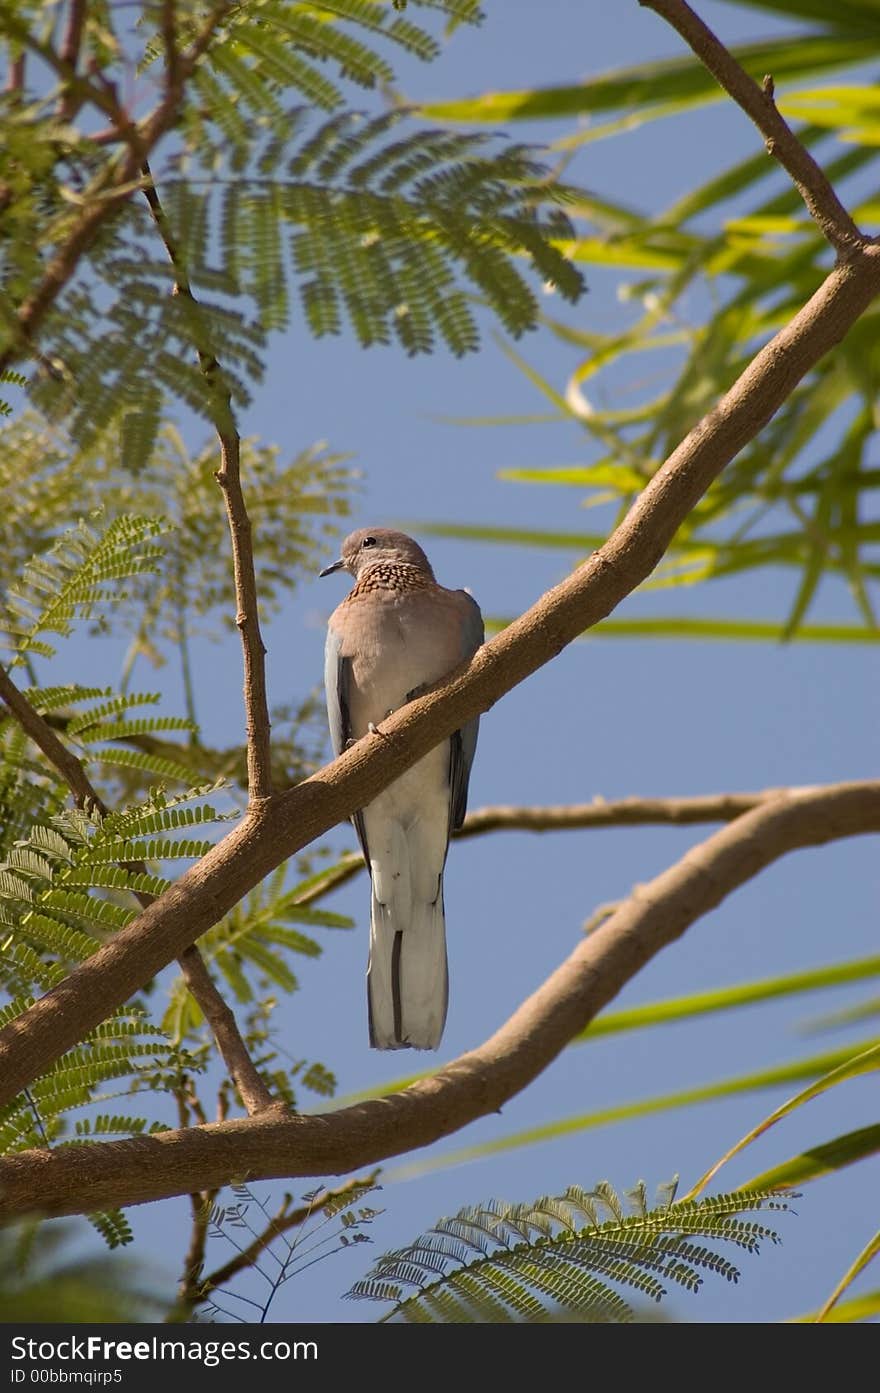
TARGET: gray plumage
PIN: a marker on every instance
(396, 632)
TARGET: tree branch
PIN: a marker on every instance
(570, 817)
(221, 1020)
(757, 102)
(14, 84)
(71, 1179)
(228, 476)
(123, 177)
(69, 55)
(621, 812)
(282, 1222)
(273, 831)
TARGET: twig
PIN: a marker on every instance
(45, 739)
(123, 177)
(254, 1093)
(758, 103)
(270, 833)
(620, 812)
(169, 39)
(16, 74)
(256, 1097)
(228, 476)
(139, 1169)
(283, 1221)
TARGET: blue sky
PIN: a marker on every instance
(607, 718)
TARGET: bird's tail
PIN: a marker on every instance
(407, 977)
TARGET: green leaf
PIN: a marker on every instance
(563, 1256)
(654, 87)
(798, 1069)
(726, 998)
(857, 1308)
(867, 1255)
(866, 1061)
(737, 630)
(820, 1160)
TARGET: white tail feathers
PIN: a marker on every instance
(407, 978)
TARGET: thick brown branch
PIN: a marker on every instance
(757, 102)
(228, 476)
(273, 831)
(134, 1171)
(242, 1070)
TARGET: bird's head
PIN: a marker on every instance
(371, 546)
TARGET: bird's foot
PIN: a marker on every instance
(417, 691)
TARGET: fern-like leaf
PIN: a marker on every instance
(501, 1262)
(81, 572)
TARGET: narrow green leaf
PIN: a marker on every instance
(644, 1107)
(866, 1061)
(749, 630)
(819, 1160)
(725, 998)
(683, 81)
(844, 1312)
(868, 1253)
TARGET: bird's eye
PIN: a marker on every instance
(368, 542)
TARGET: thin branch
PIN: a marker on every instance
(254, 1093)
(169, 39)
(228, 476)
(282, 1222)
(621, 812)
(71, 100)
(139, 1169)
(123, 177)
(44, 737)
(271, 832)
(757, 102)
(14, 84)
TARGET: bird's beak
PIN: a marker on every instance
(328, 570)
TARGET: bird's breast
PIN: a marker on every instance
(401, 643)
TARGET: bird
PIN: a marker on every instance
(397, 632)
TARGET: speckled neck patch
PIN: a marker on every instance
(396, 576)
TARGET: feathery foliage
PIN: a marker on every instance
(803, 495)
(564, 1257)
(393, 234)
(325, 1223)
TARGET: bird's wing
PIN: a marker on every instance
(337, 686)
(463, 744)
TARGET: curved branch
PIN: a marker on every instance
(278, 827)
(74, 1179)
(823, 205)
(572, 817)
(620, 812)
